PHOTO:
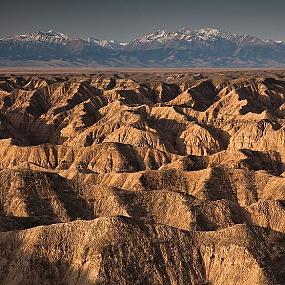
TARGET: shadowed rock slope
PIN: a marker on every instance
(130, 179)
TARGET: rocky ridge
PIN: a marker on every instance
(207, 47)
(129, 179)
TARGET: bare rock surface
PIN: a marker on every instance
(130, 179)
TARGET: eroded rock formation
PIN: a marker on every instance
(131, 179)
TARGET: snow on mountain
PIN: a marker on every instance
(206, 35)
(157, 38)
(60, 38)
(111, 44)
(40, 36)
(185, 47)
(162, 37)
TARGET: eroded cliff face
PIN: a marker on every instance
(138, 179)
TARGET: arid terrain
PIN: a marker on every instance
(136, 177)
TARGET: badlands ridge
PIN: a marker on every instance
(139, 178)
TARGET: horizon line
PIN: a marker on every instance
(139, 37)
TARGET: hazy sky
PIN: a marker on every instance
(127, 19)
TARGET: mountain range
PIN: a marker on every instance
(206, 47)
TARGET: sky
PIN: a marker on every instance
(125, 20)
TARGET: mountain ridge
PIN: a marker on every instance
(152, 177)
(207, 47)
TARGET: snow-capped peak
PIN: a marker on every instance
(186, 35)
(212, 34)
(107, 43)
(180, 38)
(51, 33)
(41, 36)
(158, 35)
